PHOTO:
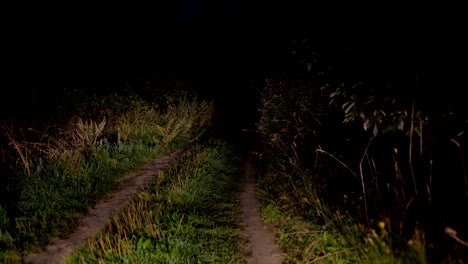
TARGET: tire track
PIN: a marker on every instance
(261, 246)
(98, 217)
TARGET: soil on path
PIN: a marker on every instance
(99, 216)
(260, 245)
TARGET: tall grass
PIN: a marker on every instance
(63, 173)
(368, 194)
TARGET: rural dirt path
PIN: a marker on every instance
(260, 247)
(99, 216)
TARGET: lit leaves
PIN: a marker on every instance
(378, 114)
(374, 120)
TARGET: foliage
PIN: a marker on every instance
(338, 240)
(377, 114)
(188, 215)
(75, 163)
(319, 158)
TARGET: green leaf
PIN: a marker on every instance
(140, 243)
(147, 243)
(309, 66)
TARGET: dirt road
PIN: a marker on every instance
(99, 216)
(260, 246)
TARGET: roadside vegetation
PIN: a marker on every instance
(358, 163)
(188, 214)
(64, 163)
(356, 169)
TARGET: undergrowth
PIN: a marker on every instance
(62, 169)
(189, 214)
(341, 194)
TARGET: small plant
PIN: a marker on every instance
(87, 133)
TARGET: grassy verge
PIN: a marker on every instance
(62, 174)
(315, 197)
(189, 214)
(337, 239)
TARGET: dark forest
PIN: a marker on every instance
(364, 102)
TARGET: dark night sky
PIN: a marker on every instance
(214, 29)
(206, 38)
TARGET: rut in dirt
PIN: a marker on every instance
(98, 217)
(261, 247)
